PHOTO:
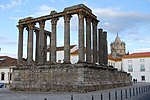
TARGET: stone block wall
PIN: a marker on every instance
(67, 78)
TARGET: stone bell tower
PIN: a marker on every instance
(118, 47)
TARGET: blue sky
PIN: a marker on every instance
(129, 18)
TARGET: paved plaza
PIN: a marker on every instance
(143, 94)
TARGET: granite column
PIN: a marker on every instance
(30, 43)
(100, 46)
(20, 44)
(81, 50)
(49, 48)
(45, 47)
(53, 40)
(67, 38)
(105, 56)
(41, 42)
(36, 45)
(95, 22)
(88, 39)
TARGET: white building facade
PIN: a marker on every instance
(138, 65)
(6, 65)
(6, 75)
(115, 62)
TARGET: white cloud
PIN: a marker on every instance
(43, 10)
(13, 4)
(114, 20)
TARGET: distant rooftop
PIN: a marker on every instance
(138, 55)
(6, 61)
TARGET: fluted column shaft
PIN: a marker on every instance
(45, 47)
(105, 54)
(30, 43)
(88, 39)
(100, 46)
(20, 44)
(81, 37)
(41, 42)
(37, 46)
(95, 22)
(67, 38)
(53, 40)
(49, 48)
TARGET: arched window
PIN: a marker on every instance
(2, 76)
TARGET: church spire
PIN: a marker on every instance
(117, 40)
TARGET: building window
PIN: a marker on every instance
(143, 78)
(114, 64)
(10, 76)
(129, 61)
(109, 63)
(130, 68)
(142, 68)
(141, 60)
(2, 76)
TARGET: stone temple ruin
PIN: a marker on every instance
(85, 76)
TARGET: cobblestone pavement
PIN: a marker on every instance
(139, 91)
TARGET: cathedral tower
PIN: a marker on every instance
(118, 47)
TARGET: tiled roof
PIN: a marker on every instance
(61, 48)
(138, 55)
(110, 57)
(6, 61)
(75, 52)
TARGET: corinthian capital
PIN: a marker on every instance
(20, 27)
(54, 21)
(95, 22)
(88, 18)
(31, 25)
(67, 17)
(42, 24)
(80, 15)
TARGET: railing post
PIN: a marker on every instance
(115, 95)
(109, 96)
(101, 96)
(71, 97)
(92, 97)
(136, 91)
(130, 92)
(133, 92)
(139, 90)
(126, 93)
(121, 94)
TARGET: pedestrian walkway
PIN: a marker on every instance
(139, 91)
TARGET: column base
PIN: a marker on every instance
(88, 62)
(66, 62)
(81, 61)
